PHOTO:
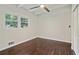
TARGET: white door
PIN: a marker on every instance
(78, 32)
(75, 30)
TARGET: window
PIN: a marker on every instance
(11, 20)
(24, 22)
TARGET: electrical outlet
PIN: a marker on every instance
(11, 43)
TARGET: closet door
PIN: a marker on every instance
(75, 30)
(78, 32)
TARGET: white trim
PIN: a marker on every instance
(53, 39)
(18, 43)
(31, 39)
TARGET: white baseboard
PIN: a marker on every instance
(18, 43)
(31, 39)
(53, 39)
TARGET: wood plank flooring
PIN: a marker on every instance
(39, 46)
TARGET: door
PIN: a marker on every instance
(75, 29)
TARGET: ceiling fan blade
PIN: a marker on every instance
(35, 7)
(46, 9)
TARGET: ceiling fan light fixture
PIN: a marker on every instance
(42, 6)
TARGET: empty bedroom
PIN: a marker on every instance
(39, 29)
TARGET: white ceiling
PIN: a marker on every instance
(40, 11)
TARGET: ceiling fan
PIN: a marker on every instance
(41, 6)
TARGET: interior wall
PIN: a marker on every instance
(17, 35)
(55, 24)
(52, 25)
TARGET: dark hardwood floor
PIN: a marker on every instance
(39, 46)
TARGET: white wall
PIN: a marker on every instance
(15, 34)
(54, 25)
